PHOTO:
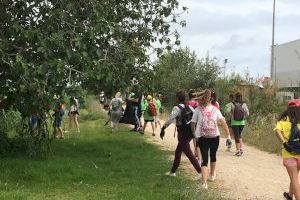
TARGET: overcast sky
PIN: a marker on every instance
(239, 30)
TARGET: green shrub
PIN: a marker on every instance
(4, 143)
(10, 121)
(262, 136)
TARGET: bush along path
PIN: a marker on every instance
(255, 175)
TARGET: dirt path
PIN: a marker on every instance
(255, 175)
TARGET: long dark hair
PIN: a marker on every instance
(293, 113)
(181, 96)
(213, 98)
(231, 97)
(238, 98)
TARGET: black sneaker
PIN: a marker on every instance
(287, 196)
(241, 151)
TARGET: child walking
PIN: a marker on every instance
(149, 114)
(288, 126)
(184, 134)
(205, 128)
(240, 112)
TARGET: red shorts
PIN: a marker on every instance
(291, 162)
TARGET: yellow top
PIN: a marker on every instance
(285, 128)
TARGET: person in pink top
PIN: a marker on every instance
(193, 103)
(205, 128)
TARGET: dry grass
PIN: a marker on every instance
(263, 137)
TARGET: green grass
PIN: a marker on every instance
(96, 165)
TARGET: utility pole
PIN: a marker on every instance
(272, 47)
(224, 70)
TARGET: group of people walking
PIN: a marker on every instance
(59, 112)
(136, 106)
(197, 120)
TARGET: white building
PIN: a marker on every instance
(287, 64)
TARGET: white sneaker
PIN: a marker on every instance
(198, 177)
(170, 174)
(212, 177)
(204, 186)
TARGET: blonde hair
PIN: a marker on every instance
(203, 96)
(118, 94)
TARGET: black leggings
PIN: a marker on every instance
(211, 145)
(237, 131)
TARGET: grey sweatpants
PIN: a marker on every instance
(115, 118)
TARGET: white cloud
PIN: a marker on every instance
(239, 30)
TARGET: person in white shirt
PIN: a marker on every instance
(184, 135)
(116, 110)
(206, 131)
(73, 114)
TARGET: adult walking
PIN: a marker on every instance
(205, 128)
(287, 131)
(179, 113)
(239, 112)
(116, 110)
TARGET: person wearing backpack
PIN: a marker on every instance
(239, 112)
(182, 113)
(149, 113)
(287, 132)
(116, 110)
(205, 127)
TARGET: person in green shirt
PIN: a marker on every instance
(157, 104)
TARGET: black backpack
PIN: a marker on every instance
(238, 112)
(185, 121)
(294, 140)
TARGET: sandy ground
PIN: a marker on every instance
(255, 175)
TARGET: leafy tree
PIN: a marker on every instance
(181, 69)
(103, 43)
